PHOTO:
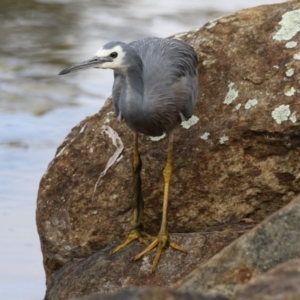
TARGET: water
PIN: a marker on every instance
(38, 108)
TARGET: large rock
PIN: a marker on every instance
(152, 294)
(103, 273)
(280, 283)
(240, 159)
(274, 241)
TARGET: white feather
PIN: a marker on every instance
(117, 63)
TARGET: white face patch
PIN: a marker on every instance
(117, 62)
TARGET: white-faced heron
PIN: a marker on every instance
(155, 89)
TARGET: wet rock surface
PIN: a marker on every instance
(240, 159)
(152, 294)
(103, 273)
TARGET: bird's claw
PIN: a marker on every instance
(161, 241)
(134, 234)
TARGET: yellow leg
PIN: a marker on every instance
(137, 231)
(163, 240)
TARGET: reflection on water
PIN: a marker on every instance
(38, 108)
(32, 37)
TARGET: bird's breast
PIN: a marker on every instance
(149, 122)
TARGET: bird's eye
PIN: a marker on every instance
(114, 54)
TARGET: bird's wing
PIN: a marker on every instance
(170, 74)
(116, 93)
(186, 89)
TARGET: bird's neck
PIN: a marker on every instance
(135, 81)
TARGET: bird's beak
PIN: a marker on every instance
(94, 62)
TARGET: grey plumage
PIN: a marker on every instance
(167, 76)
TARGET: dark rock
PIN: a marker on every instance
(240, 160)
(103, 273)
(279, 283)
(152, 294)
(274, 241)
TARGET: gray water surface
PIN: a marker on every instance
(38, 108)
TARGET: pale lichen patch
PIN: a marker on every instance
(290, 92)
(293, 117)
(290, 26)
(67, 248)
(297, 56)
(205, 136)
(290, 72)
(223, 139)
(192, 32)
(250, 103)
(157, 138)
(231, 95)
(281, 113)
(291, 44)
(179, 35)
(190, 122)
(211, 24)
(238, 106)
(146, 266)
(60, 152)
(125, 282)
(82, 128)
(109, 286)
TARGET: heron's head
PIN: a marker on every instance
(110, 56)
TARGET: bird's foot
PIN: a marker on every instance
(135, 234)
(161, 242)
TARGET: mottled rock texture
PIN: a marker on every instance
(274, 241)
(103, 273)
(280, 283)
(241, 159)
(152, 294)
